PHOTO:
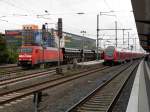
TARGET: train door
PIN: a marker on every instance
(118, 56)
(37, 55)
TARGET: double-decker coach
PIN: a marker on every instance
(114, 55)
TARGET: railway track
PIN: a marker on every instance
(17, 72)
(29, 75)
(103, 98)
(10, 75)
(26, 77)
(10, 70)
(21, 74)
(8, 66)
(23, 92)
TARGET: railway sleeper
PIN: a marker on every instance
(85, 109)
(97, 103)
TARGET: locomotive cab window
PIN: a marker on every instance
(109, 51)
(26, 50)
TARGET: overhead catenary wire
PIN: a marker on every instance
(108, 5)
(16, 5)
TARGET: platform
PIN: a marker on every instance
(91, 62)
(140, 95)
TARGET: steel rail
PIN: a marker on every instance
(12, 75)
(8, 66)
(27, 76)
(44, 85)
(100, 103)
(10, 70)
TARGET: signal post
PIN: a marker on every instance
(59, 69)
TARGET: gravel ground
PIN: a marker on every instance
(33, 81)
(122, 102)
(60, 98)
(22, 72)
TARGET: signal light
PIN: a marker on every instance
(60, 27)
(43, 27)
(44, 32)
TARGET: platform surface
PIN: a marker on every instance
(91, 62)
(139, 98)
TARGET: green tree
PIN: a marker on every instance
(3, 50)
(13, 54)
(8, 53)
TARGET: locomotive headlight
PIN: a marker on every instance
(25, 57)
(29, 57)
(20, 56)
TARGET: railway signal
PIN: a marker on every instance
(83, 33)
(43, 42)
(43, 32)
(59, 69)
(60, 27)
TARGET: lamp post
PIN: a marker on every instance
(97, 43)
(128, 40)
(116, 33)
(83, 32)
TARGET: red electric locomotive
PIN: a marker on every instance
(35, 55)
(113, 55)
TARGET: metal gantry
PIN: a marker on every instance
(116, 29)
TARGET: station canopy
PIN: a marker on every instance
(141, 10)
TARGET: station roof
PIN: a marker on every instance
(141, 10)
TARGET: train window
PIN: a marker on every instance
(109, 51)
(26, 50)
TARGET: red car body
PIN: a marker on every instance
(114, 55)
(34, 55)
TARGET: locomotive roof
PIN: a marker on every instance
(121, 50)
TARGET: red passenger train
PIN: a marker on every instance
(113, 55)
(35, 55)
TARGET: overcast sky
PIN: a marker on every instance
(15, 13)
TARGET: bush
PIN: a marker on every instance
(12, 56)
(8, 54)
